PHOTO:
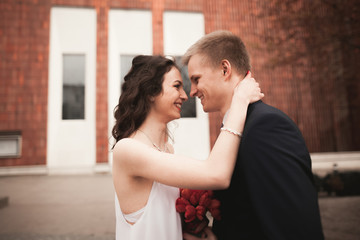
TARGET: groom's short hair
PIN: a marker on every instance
(220, 45)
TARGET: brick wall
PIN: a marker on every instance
(24, 50)
(24, 34)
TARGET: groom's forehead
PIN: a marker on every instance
(197, 64)
(199, 58)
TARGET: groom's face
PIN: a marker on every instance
(205, 83)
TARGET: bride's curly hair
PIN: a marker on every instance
(142, 83)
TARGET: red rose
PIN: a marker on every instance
(214, 209)
(181, 204)
(189, 213)
(216, 214)
(185, 193)
(214, 203)
(200, 212)
(205, 200)
(193, 206)
(195, 197)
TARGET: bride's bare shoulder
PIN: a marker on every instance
(129, 146)
(130, 151)
(123, 150)
(124, 144)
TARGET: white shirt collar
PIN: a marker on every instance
(225, 116)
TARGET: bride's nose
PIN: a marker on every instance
(183, 95)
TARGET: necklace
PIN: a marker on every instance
(156, 146)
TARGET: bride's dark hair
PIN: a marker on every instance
(142, 83)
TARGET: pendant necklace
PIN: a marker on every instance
(156, 146)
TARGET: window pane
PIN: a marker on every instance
(73, 86)
(10, 144)
(188, 109)
(125, 62)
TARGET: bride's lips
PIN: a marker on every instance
(178, 105)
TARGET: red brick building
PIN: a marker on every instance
(28, 71)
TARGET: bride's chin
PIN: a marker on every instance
(174, 118)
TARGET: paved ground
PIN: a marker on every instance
(82, 207)
(340, 217)
(57, 207)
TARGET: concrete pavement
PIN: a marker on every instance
(79, 207)
(58, 207)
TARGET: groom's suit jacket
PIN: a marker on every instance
(272, 194)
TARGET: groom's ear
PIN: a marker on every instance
(226, 68)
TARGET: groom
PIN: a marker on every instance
(272, 193)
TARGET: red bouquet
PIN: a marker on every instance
(193, 206)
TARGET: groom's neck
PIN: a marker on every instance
(227, 96)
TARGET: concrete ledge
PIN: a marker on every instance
(324, 163)
(71, 170)
(102, 168)
(45, 170)
(23, 170)
(90, 169)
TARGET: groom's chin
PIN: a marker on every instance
(210, 107)
(208, 110)
(205, 109)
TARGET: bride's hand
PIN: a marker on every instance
(248, 89)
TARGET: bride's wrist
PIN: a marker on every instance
(232, 131)
(233, 120)
(239, 101)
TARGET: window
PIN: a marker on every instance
(73, 86)
(125, 62)
(188, 109)
(10, 144)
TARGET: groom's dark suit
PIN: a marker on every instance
(271, 195)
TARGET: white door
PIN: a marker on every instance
(130, 34)
(71, 145)
(191, 133)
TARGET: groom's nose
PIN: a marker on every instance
(193, 90)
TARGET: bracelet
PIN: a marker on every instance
(231, 131)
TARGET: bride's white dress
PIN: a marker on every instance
(159, 221)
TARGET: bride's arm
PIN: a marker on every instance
(215, 173)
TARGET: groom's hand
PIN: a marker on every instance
(207, 234)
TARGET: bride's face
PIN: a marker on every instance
(168, 103)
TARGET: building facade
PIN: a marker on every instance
(62, 63)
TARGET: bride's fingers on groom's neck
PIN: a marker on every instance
(248, 74)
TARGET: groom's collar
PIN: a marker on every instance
(224, 118)
(250, 106)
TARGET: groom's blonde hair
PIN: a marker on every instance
(220, 45)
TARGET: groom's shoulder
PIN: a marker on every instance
(260, 112)
(260, 108)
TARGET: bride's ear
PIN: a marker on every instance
(152, 99)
